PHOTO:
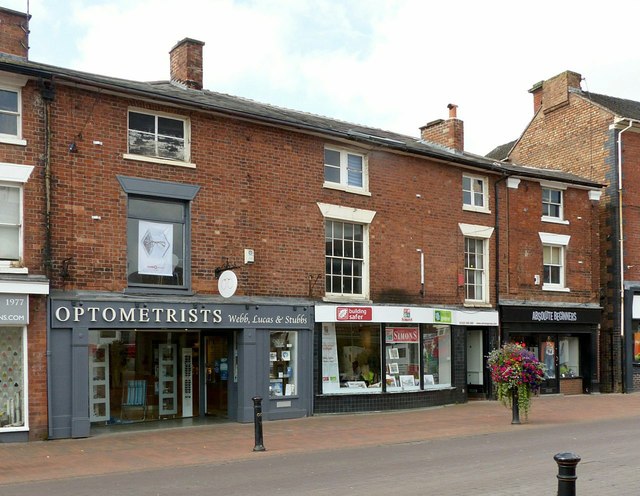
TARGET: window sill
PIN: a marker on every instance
(554, 220)
(140, 290)
(13, 140)
(478, 304)
(157, 160)
(348, 189)
(480, 210)
(13, 270)
(347, 299)
(559, 289)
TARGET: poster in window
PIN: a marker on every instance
(155, 248)
(636, 346)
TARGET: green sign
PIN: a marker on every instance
(443, 316)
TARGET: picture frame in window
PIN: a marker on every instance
(394, 369)
(273, 356)
(394, 354)
(407, 382)
(391, 381)
(286, 355)
(357, 384)
(428, 380)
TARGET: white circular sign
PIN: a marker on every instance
(227, 284)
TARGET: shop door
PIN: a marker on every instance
(549, 357)
(217, 369)
(475, 364)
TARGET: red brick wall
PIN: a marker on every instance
(523, 247)
(37, 356)
(575, 137)
(14, 33)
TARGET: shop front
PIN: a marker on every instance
(563, 338)
(114, 361)
(22, 332)
(387, 357)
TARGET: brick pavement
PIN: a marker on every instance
(219, 443)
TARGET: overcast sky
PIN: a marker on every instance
(390, 64)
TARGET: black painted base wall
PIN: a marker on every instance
(351, 403)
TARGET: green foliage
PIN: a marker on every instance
(514, 369)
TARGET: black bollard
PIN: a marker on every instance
(257, 422)
(515, 408)
(567, 463)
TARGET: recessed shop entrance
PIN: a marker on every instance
(219, 372)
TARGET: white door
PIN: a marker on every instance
(474, 358)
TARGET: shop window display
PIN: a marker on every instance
(12, 378)
(142, 375)
(352, 358)
(569, 357)
(403, 358)
(436, 348)
(282, 363)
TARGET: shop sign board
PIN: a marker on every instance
(354, 313)
(14, 309)
(149, 315)
(551, 315)
(402, 335)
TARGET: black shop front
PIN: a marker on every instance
(564, 338)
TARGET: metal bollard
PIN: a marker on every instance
(257, 422)
(567, 463)
(515, 407)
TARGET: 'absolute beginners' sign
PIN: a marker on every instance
(96, 314)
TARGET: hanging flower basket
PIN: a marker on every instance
(515, 371)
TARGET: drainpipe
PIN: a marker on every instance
(623, 351)
(497, 278)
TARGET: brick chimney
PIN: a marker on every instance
(449, 133)
(14, 33)
(186, 63)
(554, 92)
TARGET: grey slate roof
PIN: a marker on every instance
(622, 108)
(501, 152)
(172, 93)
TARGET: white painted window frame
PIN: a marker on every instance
(16, 176)
(343, 185)
(159, 160)
(483, 233)
(11, 82)
(558, 241)
(354, 216)
(554, 187)
(485, 194)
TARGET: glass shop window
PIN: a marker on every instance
(12, 378)
(436, 349)
(351, 358)
(283, 359)
(569, 357)
(402, 350)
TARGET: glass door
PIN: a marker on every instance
(217, 371)
(549, 357)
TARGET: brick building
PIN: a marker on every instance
(204, 249)
(596, 137)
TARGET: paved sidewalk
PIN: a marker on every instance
(222, 443)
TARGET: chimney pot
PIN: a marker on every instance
(449, 133)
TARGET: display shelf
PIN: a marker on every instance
(99, 406)
(167, 389)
